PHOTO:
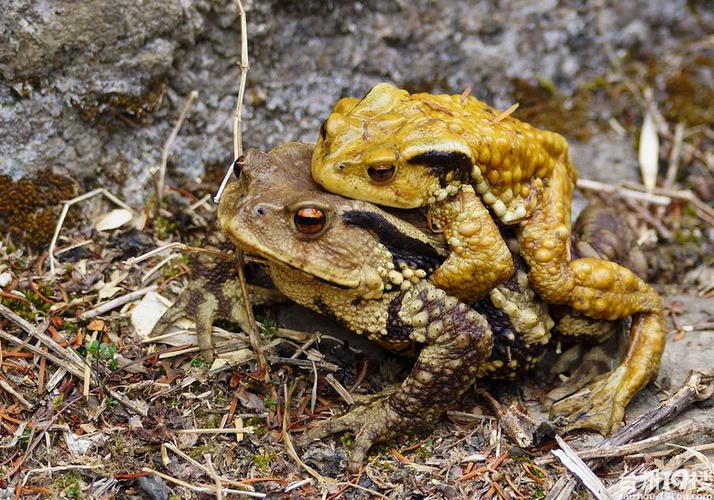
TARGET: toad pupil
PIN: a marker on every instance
(309, 220)
(381, 173)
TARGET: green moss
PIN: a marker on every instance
(70, 484)
(347, 439)
(264, 460)
(197, 452)
(163, 227)
(198, 362)
(424, 452)
(260, 429)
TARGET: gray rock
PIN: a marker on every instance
(154, 487)
(80, 83)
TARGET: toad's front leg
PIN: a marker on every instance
(214, 293)
(479, 259)
(598, 289)
(457, 340)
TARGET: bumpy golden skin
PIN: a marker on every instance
(409, 151)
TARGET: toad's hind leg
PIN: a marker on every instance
(457, 340)
(598, 289)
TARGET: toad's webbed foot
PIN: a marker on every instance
(601, 405)
(457, 340)
(371, 423)
(213, 293)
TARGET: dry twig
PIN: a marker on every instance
(63, 215)
(117, 302)
(698, 387)
(160, 178)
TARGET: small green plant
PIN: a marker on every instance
(57, 402)
(264, 460)
(104, 353)
(347, 439)
(424, 452)
(270, 403)
(73, 491)
(70, 485)
(198, 362)
(268, 326)
(25, 438)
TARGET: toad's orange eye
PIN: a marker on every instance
(309, 220)
(381, 173)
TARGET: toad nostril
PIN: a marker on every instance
(238, 165)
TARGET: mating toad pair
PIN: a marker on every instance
(496, 194)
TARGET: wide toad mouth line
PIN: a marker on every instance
(272, 256)
(326, 281)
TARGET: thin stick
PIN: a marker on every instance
(7, 387)
(118, 302)
(244, 68)
(190, 460)
(214, 475)
(167, 149)
(673, 165)
(72, 247)
(223, 430)
(58, 468)
(664, 453)
(706, 212)
(303, 363)
(140, 258)
(237, 153)
(148, 274)
(340, 389)
(205, 488)
(253, 335)
(637, 446)
(323, 480)
(88, 368)
(68, 354)
(699, 386)
(74, 370)
(237, 121)
(590, 185)
(63, 215)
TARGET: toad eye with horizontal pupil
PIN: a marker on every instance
(309, 220)
(381, 173)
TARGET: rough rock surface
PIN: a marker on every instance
(93, 88)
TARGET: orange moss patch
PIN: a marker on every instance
(29, 207)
